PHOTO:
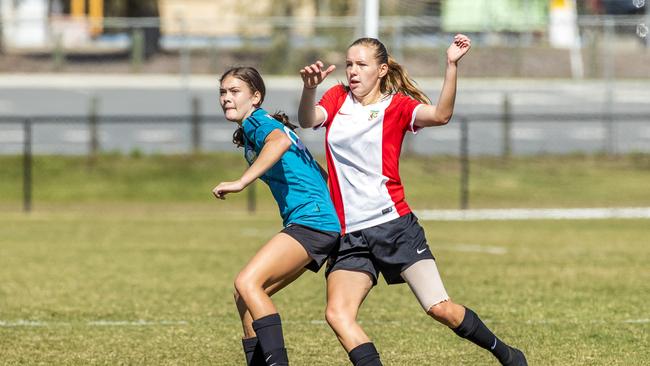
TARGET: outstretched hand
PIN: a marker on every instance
(224, 188)
(458, 48)
(313, 74)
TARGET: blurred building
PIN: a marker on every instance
(227, 17)
(89, 24)
(40, 24)
(495, 15)
(25, 23)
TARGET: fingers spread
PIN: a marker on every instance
(330, 69)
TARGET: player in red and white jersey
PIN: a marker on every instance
(366, 121)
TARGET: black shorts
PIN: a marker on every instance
(389, 248)
(318, 244)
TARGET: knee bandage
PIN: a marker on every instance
(425, 282)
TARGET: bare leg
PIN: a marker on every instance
(279, 261)
(274, 266)
(346, 291)
(245, 315)
(425, 282)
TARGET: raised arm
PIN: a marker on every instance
(440, 114)
(275, 145)
(312, 75)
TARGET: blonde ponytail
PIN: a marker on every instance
(397, 80)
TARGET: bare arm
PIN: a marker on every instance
(308, 114)
(275, 145)
(440, 114)
(312, 75)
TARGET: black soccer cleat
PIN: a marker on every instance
(516, 358)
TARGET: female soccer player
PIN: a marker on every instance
(311, 229)
(366, 122)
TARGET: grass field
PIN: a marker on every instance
(431, 182)
(131, 262)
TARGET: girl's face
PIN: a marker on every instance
(362, 70)
(237, 99)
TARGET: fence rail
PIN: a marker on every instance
(507, 119)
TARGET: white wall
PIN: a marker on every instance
(24, 23)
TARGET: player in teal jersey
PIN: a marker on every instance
(311, 228)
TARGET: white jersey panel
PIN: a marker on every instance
(355, 143)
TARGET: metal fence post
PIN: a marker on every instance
(27, 165)
(196, 125)
(185, 62)
(58, 56)
(464, 163)
(137, 49)
(93, 112)
(506, 128)
(608, 68)
(214, 57)
(647, 24)
(398, 39)
(252, 198)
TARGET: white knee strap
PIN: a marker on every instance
(425, 282)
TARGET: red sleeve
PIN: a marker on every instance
(408, 107)
(331, 102)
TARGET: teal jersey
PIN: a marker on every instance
(295, 180)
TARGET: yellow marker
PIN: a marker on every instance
(78, 8)
(96, 14)
(559, 4)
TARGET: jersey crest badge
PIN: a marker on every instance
(373, 115)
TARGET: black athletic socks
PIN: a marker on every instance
(517, 358)
(253, 352)
(269, 335)
(365, 355)
(473, 329)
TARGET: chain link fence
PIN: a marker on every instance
(608, 46)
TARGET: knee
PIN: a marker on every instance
(244, 284)
(442, 312)
(338, 316)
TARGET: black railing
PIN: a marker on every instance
(507, 118)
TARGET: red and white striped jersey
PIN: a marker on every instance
(363, 145)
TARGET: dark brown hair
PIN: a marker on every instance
(397, 79)
(253, 79)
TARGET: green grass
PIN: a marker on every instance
(431, 182)
(131, 261)
(567, 292)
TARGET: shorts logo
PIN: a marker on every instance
(420, 251)
(373, 115)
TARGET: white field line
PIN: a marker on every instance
(91, 323)
(129, 323)
(472, 248)
(531, 322)
(535, 214)
(135, 323)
